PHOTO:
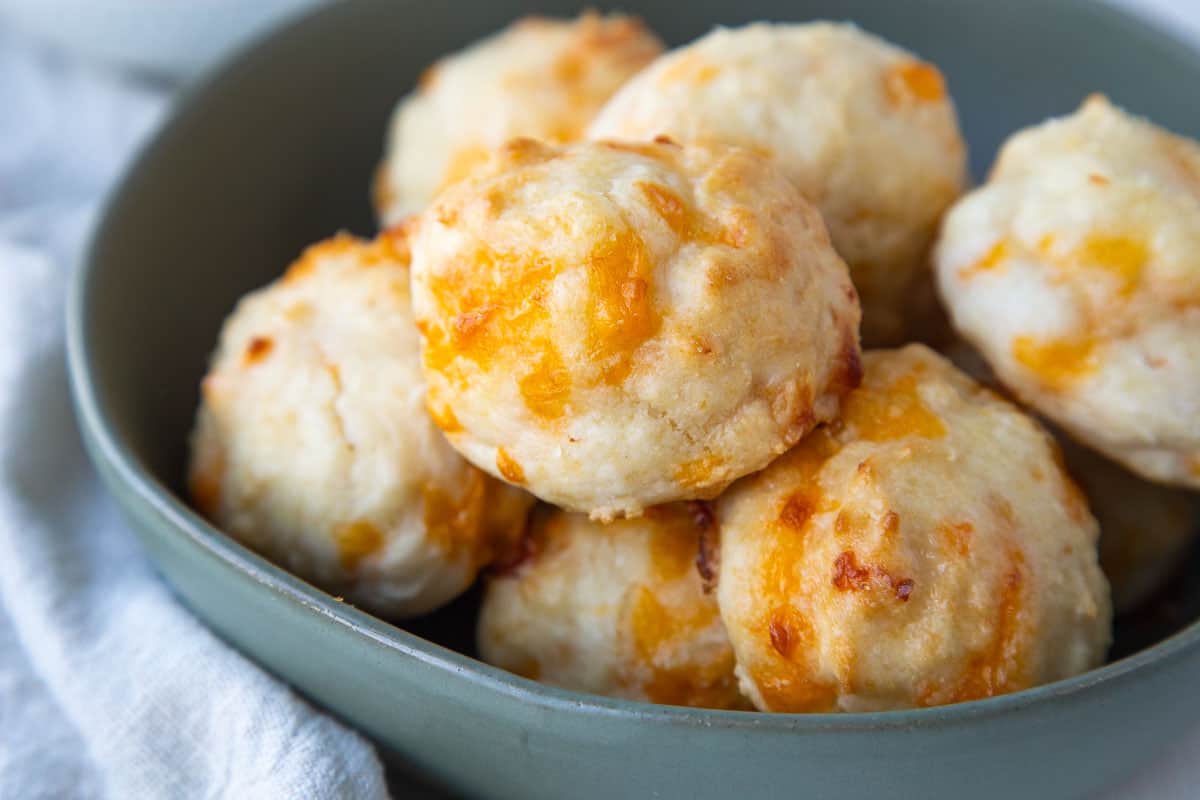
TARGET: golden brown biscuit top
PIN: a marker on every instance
(890, 523)
(493, 298)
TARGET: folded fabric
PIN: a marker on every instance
(108, 686)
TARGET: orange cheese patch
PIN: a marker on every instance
(993, 258)
(803, 465)
(444, 417)
(356, 541)
(508, 467)
(1122, 258)
(785, 672)
(569, 67)
(1000, 667)
(455, 522)
(390, 246)
(464, 161)
(621, 313)
(797, 509)
(494, 308)
(660, 632)
(1057, 363)
(698, 473)
(259, 348)
(689, 226)
(690, 68)
(957, 537)
(674, 540)
(337, 245)
(490, 302)
(914, 81)
(547, 386)
(879, 414)
(669, 206)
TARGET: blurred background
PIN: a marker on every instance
(175, 40)
(168, 39)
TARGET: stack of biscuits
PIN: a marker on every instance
(607, 352)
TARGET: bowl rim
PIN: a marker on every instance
(121, 470)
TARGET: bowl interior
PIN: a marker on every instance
(278, 149)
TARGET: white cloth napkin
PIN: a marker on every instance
(108, 687)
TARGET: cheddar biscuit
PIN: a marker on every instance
(613, 326)
(623, 609)
(1074, 272)
(541, 78)
(925, 548)
(312, 444)
(865, 129)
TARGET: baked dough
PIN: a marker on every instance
(927, 548)
(1075, 273)
(865, 129)
(619, 609)
(313, 447)
(613, 326)
(541, 78)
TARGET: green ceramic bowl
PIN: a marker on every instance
(276, 150)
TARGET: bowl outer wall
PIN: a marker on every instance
(276, 151)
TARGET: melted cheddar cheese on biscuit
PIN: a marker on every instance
(1075, 272)
(312, 444)
(620, 609)
(925, 548)
(614, 326)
